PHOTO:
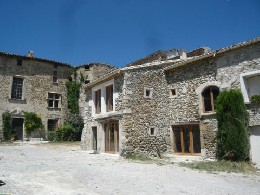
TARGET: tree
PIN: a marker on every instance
(232, 134)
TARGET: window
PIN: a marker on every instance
(55, 66)
(186, 139)
(19, 62)
(87, 81)
(109, 98)
(98, 101)
(55, 76)
(53, 100)
(17, 88)
(173, 92)
(86, 67)
(148, 92)
(53, 124)
(151, 131)
(209, 96)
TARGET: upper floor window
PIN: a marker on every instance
(87, 67)
(19, 62)
(109, 98)
(98, 101)
(17, 88)
(148, 92)
(54, 100)
(209, 96)
(55, 77)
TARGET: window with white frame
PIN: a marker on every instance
(54, 100)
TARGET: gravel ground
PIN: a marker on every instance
(66, 169)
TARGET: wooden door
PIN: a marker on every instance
(111, 137)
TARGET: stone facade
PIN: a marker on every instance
(154, 98)
(40, 77)
(37, 76)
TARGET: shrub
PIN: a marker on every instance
(76, 121)
(232, 134)
(51, 136)
(65, 133)
(32, 122)
(7, 125)
(73, 89)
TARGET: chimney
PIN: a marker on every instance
(183, 54)
(30, 54)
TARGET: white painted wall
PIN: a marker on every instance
(103, 86)
(255, 145)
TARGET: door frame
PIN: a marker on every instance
(108, 125)
(191, 148)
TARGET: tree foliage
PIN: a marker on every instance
(32, 122)
(232, 135)
(7, 125)
(73, 89)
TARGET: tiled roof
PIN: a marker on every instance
(33, 58)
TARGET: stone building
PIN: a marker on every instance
(164, 103)
(30, 84)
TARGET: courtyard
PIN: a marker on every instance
(66, 169)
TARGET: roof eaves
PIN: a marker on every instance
(106, 77)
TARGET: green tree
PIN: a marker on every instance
(32, 122)
(7, 125)
(232, 134)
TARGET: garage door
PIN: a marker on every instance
(255, 145)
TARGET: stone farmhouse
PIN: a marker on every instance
(30, 84)
(164, 103)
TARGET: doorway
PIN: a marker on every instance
(18, 127)
(186, 139)
(94, 138)
(111, 137)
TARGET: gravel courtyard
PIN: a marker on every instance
(66, 169)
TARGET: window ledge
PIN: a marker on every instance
(208, 113)
(50, 108)
(17, 101)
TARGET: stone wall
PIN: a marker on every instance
(38, 81)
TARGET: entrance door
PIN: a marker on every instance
(94, 132)
(18, 127)
(111, 137)
(186, 139)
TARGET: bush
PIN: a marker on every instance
(7, 125)
(51, 136)
(32, 122)
(232, 134)
(255, 99)
(65, 133)
(76, 121)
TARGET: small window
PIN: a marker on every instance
(53, 124)
(17, 88)
(87, 81)
(173, 92)
(151, 131)
(19, 62)
(87, 67)
(109, 98)
(98, 101)
(55, 77)
(54, 100)
(148, 92)
(209, 96)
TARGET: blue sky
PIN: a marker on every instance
(121, 31)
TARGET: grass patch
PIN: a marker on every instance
(221, 166)
(139, 158)
(71, 143)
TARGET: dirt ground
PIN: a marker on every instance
(66, 169)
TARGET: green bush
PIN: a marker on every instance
(51, 136)
(65, 133)
(232, 134)
(7, 125)
(76, 121)
(32, 122)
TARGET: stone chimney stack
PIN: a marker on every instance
(183, 54)
(30, 54)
